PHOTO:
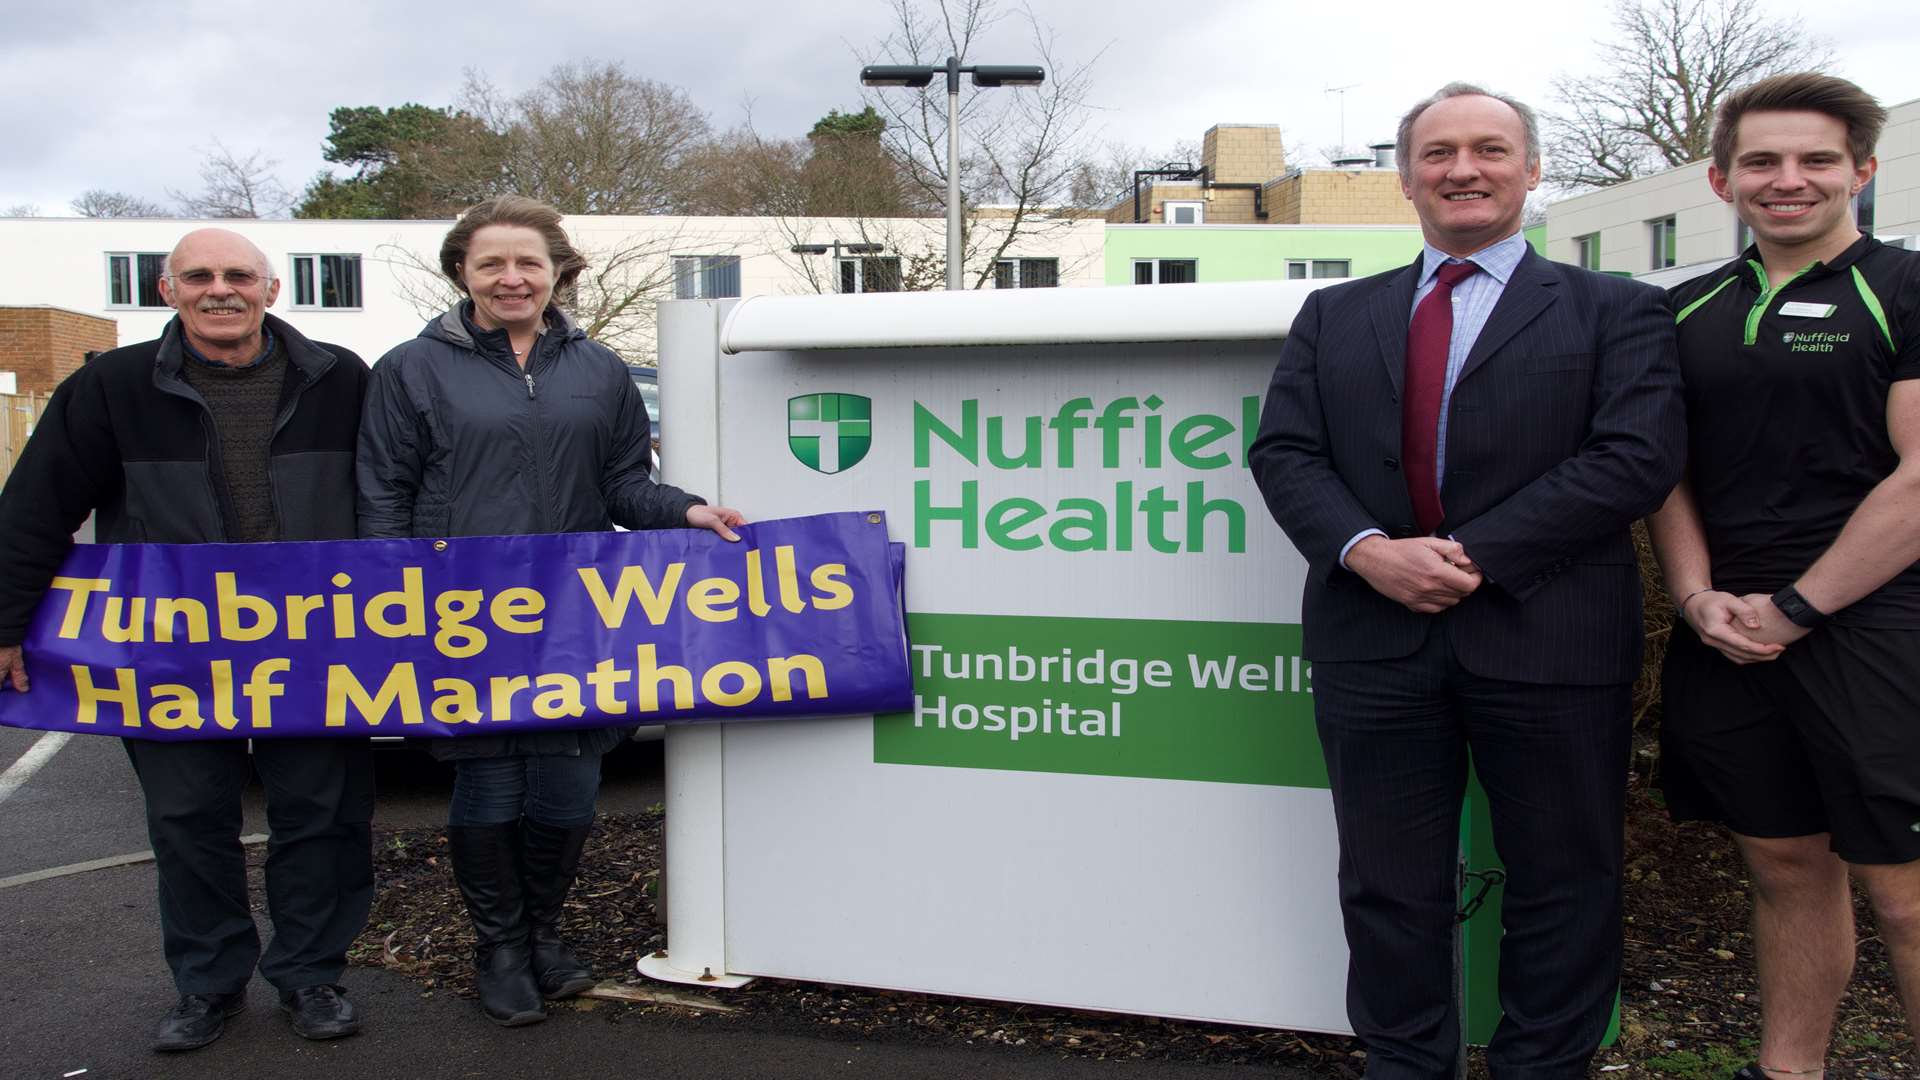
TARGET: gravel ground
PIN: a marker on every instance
(1690, 1006)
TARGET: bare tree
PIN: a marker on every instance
(101, 203)
(592, 139)
(1103, 178)
(20, 210)
(1022, 148)
(743, 174)
(235, 187)
(1651, 104)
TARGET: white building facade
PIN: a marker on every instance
(1673, 220)
(369, 285)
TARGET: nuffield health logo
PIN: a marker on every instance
(829, 433)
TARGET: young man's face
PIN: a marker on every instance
(1792, 179)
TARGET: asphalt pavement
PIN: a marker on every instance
(85, 982)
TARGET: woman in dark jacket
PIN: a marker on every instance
(502, 418)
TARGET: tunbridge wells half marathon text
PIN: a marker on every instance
(472, 635)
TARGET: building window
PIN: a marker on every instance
(1184, 213)
(1665, 250)
(1166, 271)
(1302, 269)
(133, 279)
(705, 277)
(1586, 251)
(326, 282)
(1026, 273)
(1863, 208)
(872, 273)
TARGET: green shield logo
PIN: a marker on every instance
(829, 433)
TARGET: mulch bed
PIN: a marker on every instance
(1690, 1010)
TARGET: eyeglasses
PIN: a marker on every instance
(235, 279)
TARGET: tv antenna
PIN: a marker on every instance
(1342, 91)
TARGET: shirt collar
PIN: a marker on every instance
(266, 350)
(1498, 260)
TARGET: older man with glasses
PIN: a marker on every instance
(230, 428)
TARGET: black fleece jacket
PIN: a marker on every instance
(126, 439)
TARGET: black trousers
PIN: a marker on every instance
(1553, 760)
(319, 857)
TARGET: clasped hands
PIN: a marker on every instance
(1422, 573)
(1744, 629)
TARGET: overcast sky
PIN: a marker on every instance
(120, 94)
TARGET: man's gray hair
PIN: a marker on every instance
(1403, 146)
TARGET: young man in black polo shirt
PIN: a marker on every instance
(1792, 713)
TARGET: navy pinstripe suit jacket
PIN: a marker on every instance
(1566, 424)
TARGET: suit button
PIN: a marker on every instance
(1391, 464)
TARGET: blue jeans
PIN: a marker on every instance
(552, 790)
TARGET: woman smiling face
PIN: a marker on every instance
(509, 274)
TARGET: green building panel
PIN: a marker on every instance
(1259, 252)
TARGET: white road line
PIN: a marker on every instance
(38, 754)
(107, 863)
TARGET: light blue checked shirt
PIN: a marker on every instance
(1473, 301)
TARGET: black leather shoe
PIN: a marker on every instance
(196, 1020)
(509, 994)
(319, 1012)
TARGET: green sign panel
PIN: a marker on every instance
(1172, 700)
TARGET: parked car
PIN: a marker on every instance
(648, 380)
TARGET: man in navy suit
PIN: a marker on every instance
(1459, 448)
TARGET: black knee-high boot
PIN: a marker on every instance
(486, 865)
(549, 860)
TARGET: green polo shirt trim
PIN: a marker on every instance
(1873, 304)
(1767, 294)
(1691, 308)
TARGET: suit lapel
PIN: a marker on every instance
(1391, 310)
(1531, 290)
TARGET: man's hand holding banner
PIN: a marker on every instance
(476, 635)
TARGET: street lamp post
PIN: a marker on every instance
(984, 75)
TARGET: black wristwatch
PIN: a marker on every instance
(1796, 609)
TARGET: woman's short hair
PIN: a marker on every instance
(1806, 91)
(525, 213)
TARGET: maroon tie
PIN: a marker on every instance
(1428, 339)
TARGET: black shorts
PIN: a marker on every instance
(1825, 739)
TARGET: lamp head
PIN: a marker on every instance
(896, 75)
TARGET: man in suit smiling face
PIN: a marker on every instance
(1469, 173)
(1458, 448)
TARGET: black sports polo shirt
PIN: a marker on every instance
(1787, 411)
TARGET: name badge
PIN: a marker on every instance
(1805, 310)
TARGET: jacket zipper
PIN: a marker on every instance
(539, 442)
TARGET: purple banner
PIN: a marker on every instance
(477, 635)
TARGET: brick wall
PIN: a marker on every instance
(1243, 153)
(1339, 197)
(43, 345)
(1253, 153)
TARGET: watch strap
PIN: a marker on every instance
(1796, 609)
